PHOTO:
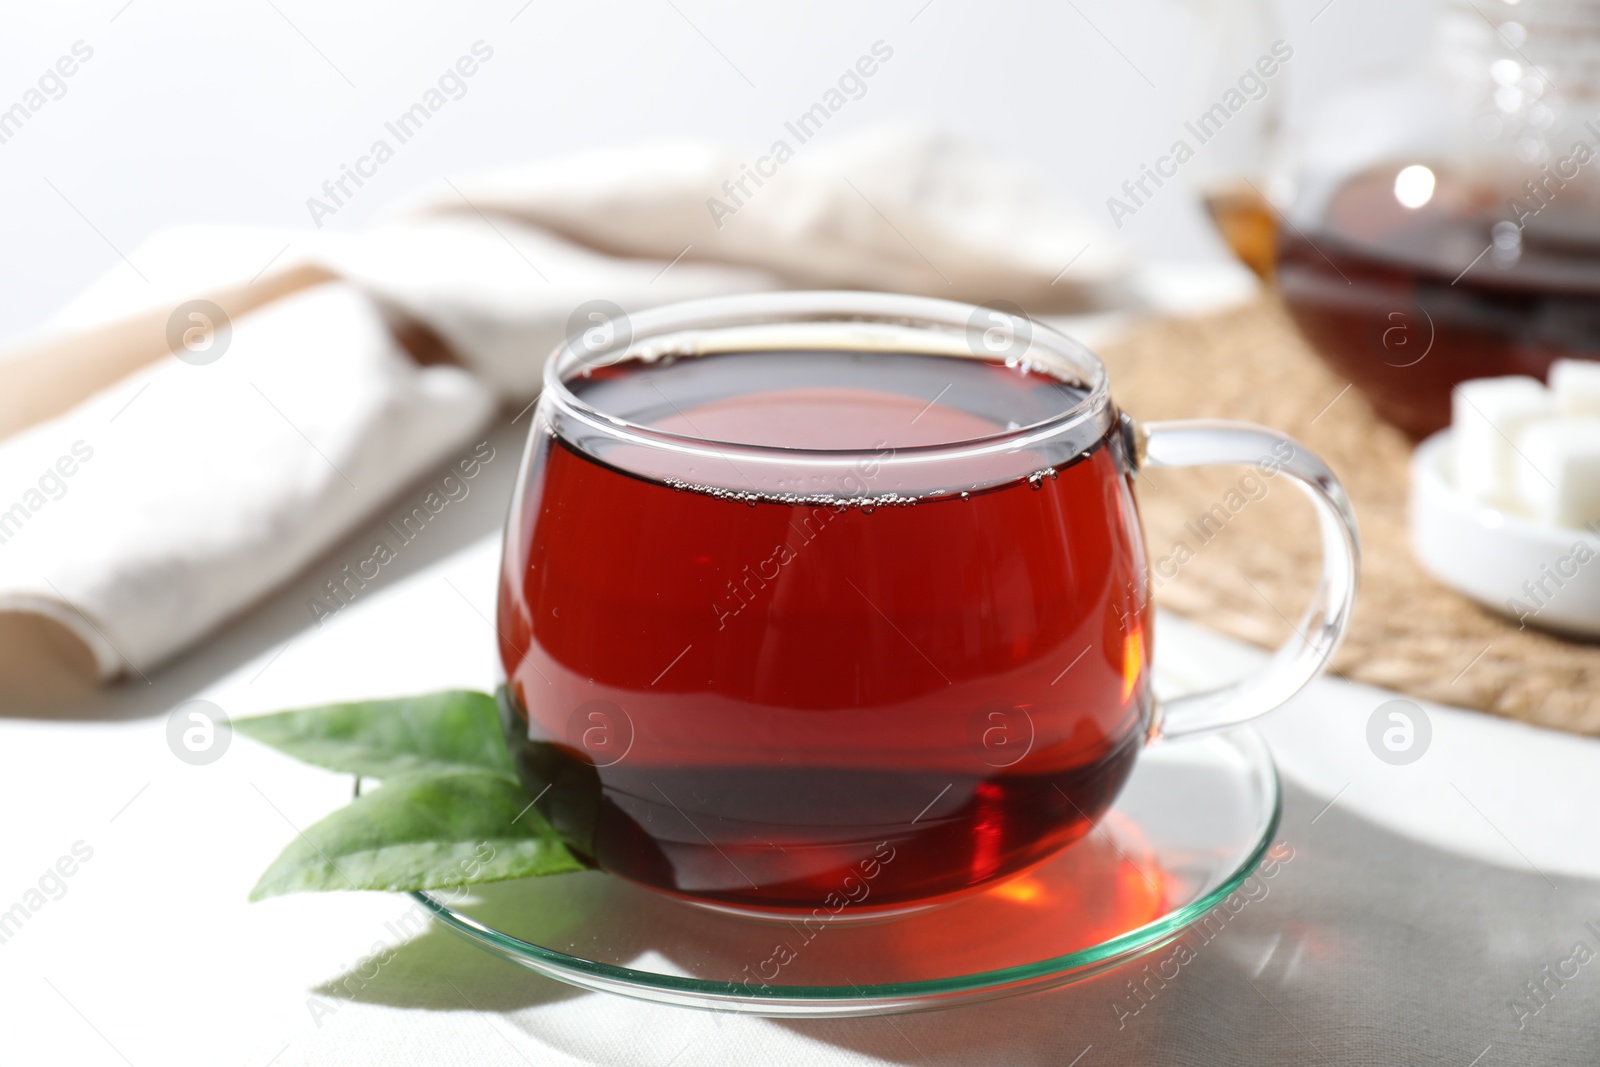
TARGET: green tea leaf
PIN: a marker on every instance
(454, 730)
(422, 831)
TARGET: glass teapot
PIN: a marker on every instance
(1443, 221)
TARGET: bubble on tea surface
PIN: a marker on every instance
(198, 732)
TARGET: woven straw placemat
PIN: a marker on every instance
(1257, 571)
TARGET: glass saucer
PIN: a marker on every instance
(1193, 822)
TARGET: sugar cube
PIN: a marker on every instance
(1560, 480)
(1488, 415)
(1576, 385)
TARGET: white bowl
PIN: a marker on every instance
(1537, 574)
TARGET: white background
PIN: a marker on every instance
(236, 112)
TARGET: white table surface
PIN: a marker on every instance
(153, 955)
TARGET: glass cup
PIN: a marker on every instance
(840, 600)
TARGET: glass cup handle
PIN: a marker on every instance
(1192, 443)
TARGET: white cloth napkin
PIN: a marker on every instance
(166, 503)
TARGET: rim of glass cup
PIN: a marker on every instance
(857, 319)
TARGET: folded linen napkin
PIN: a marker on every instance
(215, 448)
